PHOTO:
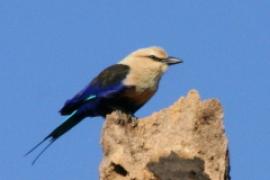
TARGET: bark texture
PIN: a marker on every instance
(185, 141)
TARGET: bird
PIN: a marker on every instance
(125, 86)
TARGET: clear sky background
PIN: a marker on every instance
(51, 49)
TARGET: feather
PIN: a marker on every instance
(106, 83)
(73, 120)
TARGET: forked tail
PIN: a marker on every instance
(72, 121)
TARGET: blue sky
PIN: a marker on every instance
(51, 49)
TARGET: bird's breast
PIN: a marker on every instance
(143, 80)
(138, 97)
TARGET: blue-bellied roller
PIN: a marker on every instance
(125, 86)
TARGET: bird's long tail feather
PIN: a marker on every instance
(72, 121)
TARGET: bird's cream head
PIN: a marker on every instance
(152, 58)
(147, 66)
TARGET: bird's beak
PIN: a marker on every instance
(172, 60)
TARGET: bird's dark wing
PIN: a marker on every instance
(108, 82)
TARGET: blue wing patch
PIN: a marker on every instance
(90, 97)
(105, 85)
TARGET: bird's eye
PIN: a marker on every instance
(153, 57)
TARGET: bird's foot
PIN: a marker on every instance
(124, 118)
(132, 119)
